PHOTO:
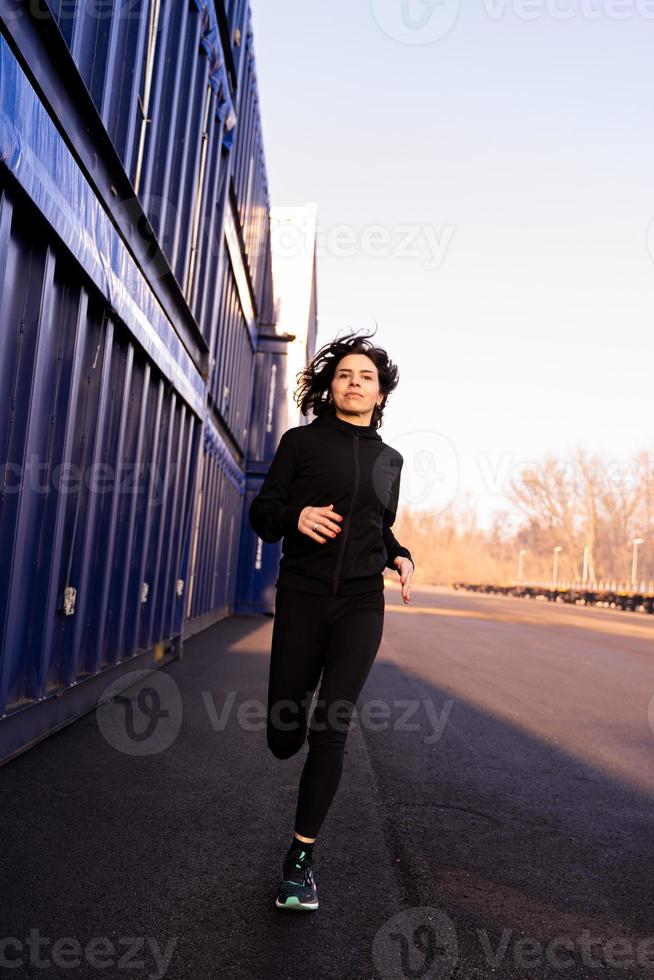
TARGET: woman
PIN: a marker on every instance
(331, 492)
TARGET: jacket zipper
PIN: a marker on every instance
(355, 446)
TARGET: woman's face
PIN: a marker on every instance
(355, 388)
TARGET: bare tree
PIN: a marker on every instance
(584, 500)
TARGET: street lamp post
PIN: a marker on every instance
(584, 574)
(555, 565)
(634, 563)
(521, 555)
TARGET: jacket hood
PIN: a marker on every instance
(349, 428)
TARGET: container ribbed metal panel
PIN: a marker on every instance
(97, 491)
(217, 532)
(134, 275)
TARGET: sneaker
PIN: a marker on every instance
(298, 888)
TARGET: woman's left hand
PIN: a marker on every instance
(405, 568)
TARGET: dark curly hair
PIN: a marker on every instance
(313, 393)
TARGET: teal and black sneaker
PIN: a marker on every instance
(298, 888)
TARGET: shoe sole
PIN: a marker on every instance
(294, 903)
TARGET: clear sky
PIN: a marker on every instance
(484, 175)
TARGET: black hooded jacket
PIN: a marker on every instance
(331, 461)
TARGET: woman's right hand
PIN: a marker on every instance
(325, 517)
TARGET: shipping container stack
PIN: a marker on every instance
(135, 284)
(284, 350)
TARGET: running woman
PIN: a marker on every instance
(331, 493)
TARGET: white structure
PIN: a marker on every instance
(293, 240)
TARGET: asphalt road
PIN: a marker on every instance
(521, 804)
(494, 818)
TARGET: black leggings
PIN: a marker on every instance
(340, 636)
